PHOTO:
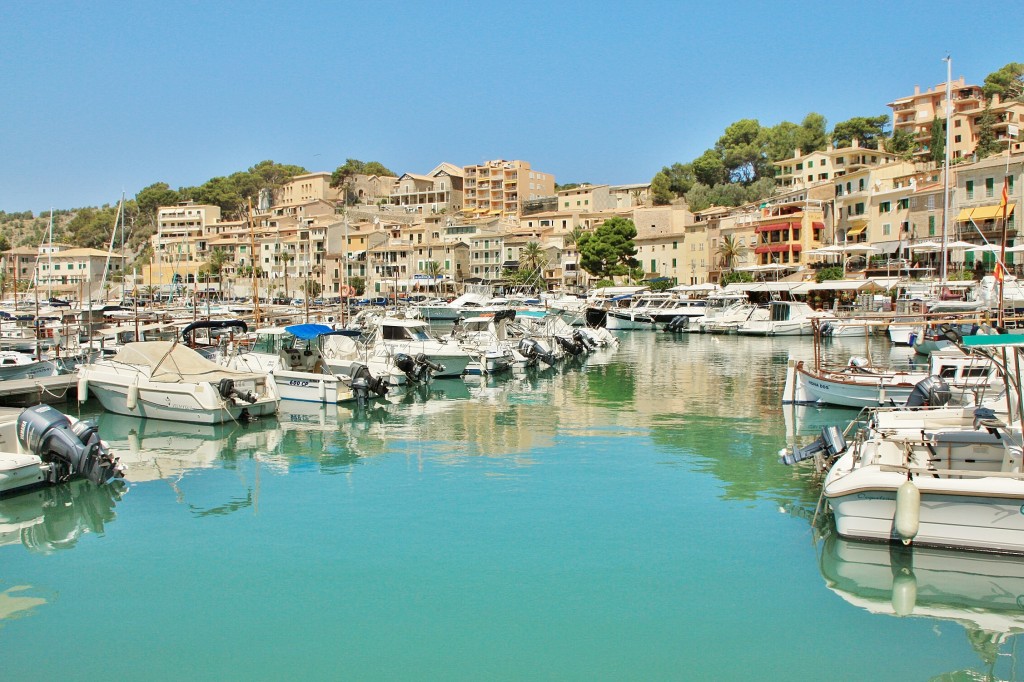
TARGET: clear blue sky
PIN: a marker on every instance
(104, 97)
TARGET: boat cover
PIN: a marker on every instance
(308, 331)
(175, 363)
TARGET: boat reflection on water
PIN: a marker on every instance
(53, 518)
(984, 593)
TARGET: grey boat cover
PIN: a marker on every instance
(174, 363)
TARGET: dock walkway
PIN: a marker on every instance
(52, 390)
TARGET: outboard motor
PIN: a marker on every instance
(227, 390)
(69, 449)
(584, 340)
(930, 392)
(363, 383)
(570, 346)
(831, 443)
(531, 348)
(858, 363)
(417, 370)
(679, 323)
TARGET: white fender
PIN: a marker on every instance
(904, 593)
(323, 391)
(83, 389)
(132, 400)
(908, 511)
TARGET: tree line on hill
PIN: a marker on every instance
(739, 168)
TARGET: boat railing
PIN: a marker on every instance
(949, 473)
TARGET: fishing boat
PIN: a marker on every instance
(945, 478)
(42, 446)
(168, 380)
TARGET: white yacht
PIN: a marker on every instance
(167, 380)
(785, 318)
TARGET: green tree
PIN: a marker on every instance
(609, 250)
(433, 270)
(661, 192)
(572, 237)
(568, 185)
(531, 258)
(5, 243)
(215, 266)
(729, 250)
(735, 276)
(988, 145)
(357, 283)
(742, 149)
(868, 131)
(344, 176)
(311, 288)
(92, 227)
(1007, 82)
(834, 272)
(938, 148)
(709, 169)
(152, 197)
(901, 143)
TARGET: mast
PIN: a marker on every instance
(945, 167)
(49, 263)
(255, 289)
(110, 248)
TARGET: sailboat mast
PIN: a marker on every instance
(110, 249)
(945, 167)
(49, 263)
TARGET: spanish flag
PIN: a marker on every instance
(1005, 198)
(999, 271)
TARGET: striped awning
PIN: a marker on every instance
(774, 227)
(776, 248)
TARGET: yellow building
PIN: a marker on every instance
(498, 188)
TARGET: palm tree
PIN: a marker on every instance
(286, 258)
(573, 236)
(638, 197)
(215, 266)
(729, 250)
(433, 269)
(532, 260)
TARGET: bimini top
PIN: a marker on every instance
(175, 363)
(308, 331)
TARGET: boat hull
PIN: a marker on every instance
(174, 405)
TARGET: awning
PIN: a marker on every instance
(774, 227)
(818, 226)
(776, 248)
(965, 215)
(857, 229)
(990, 212)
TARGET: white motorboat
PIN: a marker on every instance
(726, 312)
(944, 478)
(655, 310)
(168, 380)
(40, 445)
(435, 312)
(488, 341)
(785, 318)
(860, 385)
(15, 365)
(293, 359)
(392, 336)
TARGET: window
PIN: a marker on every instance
(673, 262)
(931, 226)
(990, 185)
(886, 229)
(654, 265)
(675, 245)
(810, 164)
(859, 210)
(884, 207)
(1009, 183)
(970, 188)
(860, 185)
(956, 138)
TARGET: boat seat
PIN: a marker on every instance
(963, 437)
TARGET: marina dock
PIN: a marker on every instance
(51, 390)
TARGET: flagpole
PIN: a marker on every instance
(1001, 265)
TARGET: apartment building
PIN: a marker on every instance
(977, 198)
(915, 114)
(303, 189)
(19, 265)
(79, 272)
(498, 188)
(439, 191)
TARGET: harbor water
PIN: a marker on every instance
(625, 518)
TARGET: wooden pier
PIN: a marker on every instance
(51, 390)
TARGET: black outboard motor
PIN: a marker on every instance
(69, 449)
(363, 383)
(584, 340)
(930, 392)
(531, 348)
(570, 346)
(500, 315)
(417, 370)
(226, 387)
(679, 323)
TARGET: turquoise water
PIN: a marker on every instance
(625, 519)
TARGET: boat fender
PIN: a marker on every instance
(323, 391)
(83, 389)
(904, 592)
(132, 399)
(908, 511)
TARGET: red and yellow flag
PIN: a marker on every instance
(999, 271)
(1005, 198)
